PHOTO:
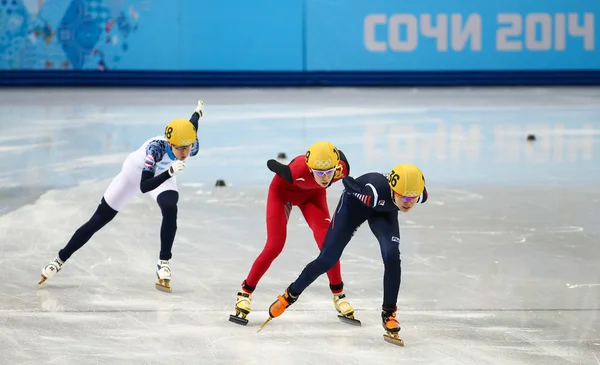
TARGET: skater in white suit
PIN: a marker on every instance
(150, 169)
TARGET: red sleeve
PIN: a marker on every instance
(299, 168)
(341, 171)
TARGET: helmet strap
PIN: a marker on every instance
(170, 152)
(393, 198)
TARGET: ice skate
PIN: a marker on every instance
(279, 306)
(242, 308)
(345, 310)
(51, 269)
(392, 328)
(200, 108)
(163, 272)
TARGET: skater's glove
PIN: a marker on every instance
(177, 167)
(200, 108)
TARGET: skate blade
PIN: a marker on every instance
(393, 338)
(238, 320)
(41, 281)
(349, 320)
(163, 287)
(264, 324)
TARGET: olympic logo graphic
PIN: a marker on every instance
(412, 194)
(323, 164)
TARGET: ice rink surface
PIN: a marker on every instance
(500, 266)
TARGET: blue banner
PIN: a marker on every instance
(173, 35)
(299, 36)
(385, 35)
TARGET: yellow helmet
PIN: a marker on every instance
(407, 180)
(322, 156)
(180, 132)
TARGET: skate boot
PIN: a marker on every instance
(279, 306)
(163, 272)
(345, 310)
(51, 269)
(391, 326)
(200, 108)
(242, 307)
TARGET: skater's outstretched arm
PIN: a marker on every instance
(195, 145)
(150, 182)
(366, 194)
(155, 152)
(198, 113)
(194, 120)
(280, 169)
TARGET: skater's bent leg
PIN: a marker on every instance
(122, 188)
(392, 274)
(167, 201)
(278, 213)
(385, 228)
(319, 266)
(344, 224)
(316, 214)
(103, 214)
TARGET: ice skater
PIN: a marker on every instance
(151, 169)
(301, 183)
(375, 198)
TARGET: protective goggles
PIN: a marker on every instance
(405, 198)
(324, 172)
(181, 148)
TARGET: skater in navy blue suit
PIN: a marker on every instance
(375, 198)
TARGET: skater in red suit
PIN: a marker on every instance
(301, 183)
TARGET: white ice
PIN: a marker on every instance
(501, 266)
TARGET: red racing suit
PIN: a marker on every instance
(294, 185)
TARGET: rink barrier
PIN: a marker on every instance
(256, 79)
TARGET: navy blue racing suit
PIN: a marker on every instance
(366, 198)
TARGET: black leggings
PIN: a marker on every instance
(349, 215)
(167, 201)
